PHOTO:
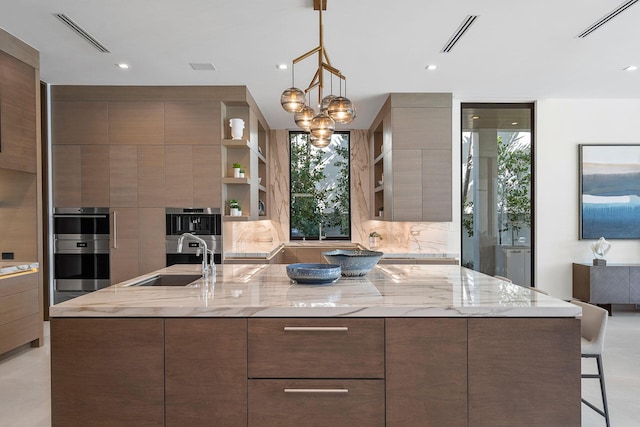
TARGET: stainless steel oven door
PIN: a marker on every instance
(81, 223)
(81, 265)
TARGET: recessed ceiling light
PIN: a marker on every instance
(475, 117)
(123, 66)
(282, 66)
(431, 67)
(514, 123)
(630, 68)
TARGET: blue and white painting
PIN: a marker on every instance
(610, 187)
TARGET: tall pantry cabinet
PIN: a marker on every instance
(138, 150)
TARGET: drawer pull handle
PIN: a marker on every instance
(317, 328)
(316, 390)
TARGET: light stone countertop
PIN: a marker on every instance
(390, 290)
(11, 267)
(332, 245)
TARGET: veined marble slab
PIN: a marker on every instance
(419, 255)
(11, 267)
(266, 291)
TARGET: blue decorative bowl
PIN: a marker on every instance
(313, 274)
(353, 262)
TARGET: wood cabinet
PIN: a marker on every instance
(151, 240)
(80, 122)
(207, 182)
(18, 115)
(151, 176)
(316, 403)
(524, 372)
(67, 175)
(124, 244)
(107, 372)
(136, 123)
(20, 317)
(316, 348)
(123, 176)
(607, 284)
(316, 371)
(206, 372)
(411, 155)
(426, 368)
(191, 123)
(82, 175)
(333, 375)
(137, 242)
(95, 175)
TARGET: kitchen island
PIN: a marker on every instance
(405, 345)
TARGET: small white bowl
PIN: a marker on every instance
(380, 182)
(259, 180)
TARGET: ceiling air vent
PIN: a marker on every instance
(202, 66)
(466, 23)
(609, 17)
(82, 33)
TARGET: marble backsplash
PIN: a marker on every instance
(397, 237)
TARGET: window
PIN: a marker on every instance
(320, 195)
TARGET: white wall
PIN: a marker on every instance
(562, 124)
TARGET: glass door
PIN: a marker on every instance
(497, 190)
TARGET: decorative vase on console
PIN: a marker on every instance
(237, 128)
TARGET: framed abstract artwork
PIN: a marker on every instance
(610, 191)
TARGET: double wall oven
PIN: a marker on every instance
(80, 251)
(205, 223)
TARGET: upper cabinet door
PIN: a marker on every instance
(80, 122)
(192, 123)
(18, 121)
(136, 123)
(416, 134)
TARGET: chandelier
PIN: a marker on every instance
(333, 109)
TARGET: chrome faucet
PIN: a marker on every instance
(205, 251)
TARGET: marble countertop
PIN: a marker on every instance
(265, 291)
(11, 267)
(267, 254)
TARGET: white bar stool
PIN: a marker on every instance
(592, 328)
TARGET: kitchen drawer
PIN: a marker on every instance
(18, 306)
(316, 348)
(16, 284)
(23, 331)
(312, 403)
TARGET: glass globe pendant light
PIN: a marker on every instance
(319, 142)
(304, 117)
(341, 110)
(292, 100)
(332, 108)
(324, 105)
(322, 126)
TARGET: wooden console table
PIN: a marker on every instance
(607, 284)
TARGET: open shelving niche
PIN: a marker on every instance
(250, 152)
(378, 154)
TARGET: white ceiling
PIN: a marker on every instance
(515, 51)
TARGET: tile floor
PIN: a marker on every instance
(25, 385)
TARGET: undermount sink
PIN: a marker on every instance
(169, 280)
